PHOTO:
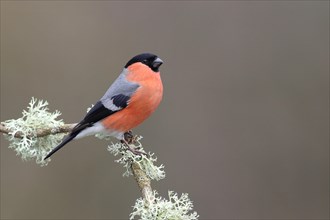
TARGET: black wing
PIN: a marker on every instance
(121, 101)
(99, 112)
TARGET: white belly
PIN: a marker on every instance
(99, 128)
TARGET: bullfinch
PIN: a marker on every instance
(131, 99)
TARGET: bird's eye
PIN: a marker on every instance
(145, 61)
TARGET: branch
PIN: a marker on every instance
(42, 132)
(140, 175)
(36, 133)
(143, 182)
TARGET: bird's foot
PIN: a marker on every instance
(129, 140)
(129, 137)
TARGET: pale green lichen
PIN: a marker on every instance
(146, 162)
(36, 117)
(174, 208)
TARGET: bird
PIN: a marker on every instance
(130, 100)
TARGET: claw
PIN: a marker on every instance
(129, 139)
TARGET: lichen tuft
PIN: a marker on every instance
(162, 209)
(146, 162)
(36, 117)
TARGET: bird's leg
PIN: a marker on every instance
(129, 139)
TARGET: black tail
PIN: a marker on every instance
(75, 131)
(66, 140)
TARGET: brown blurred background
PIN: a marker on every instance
(243, 127)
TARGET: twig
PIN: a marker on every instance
(140, 176)
(42, 132)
